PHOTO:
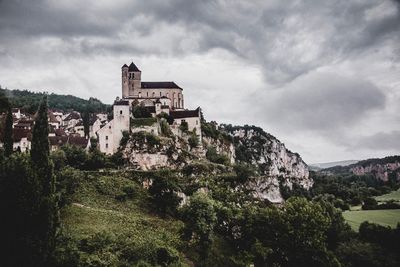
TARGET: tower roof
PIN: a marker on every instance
(132, 67)
(124, 66)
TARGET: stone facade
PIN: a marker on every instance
(133, 88)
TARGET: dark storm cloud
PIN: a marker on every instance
(323, 102)
(286, 40)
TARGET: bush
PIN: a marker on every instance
(139, 111)
(184, 127)
(140, 122)
(193, 140)
(213, 156)
(165, 130)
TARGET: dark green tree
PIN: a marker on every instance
(45, 222)
(86, 121)
(200, 218)
(8, 131)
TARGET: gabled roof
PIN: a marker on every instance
(121, 102)
(52, 118)
(180, 114)
(73, 115)
(153, 85)
(132, 67)
(18, 134)
(124, 66)
(78, 141)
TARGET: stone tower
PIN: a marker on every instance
(125, 82)
(131, 80)
(134, 76)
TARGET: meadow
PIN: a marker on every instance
(383, 217)
(394, 195)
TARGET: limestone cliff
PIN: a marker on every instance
(384, 169)
(275, 165)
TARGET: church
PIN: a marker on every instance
(149, 92)
(157, 97)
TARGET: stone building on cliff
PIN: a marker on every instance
(157, 98)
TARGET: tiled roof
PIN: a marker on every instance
(18, 134)
(73, 115)
(58, 140)
(180, 114)
(78, 141)
(121, 102)
(154, 85)
(52, 118)
(132, 67)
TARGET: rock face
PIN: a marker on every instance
(380, 171)
(277, 165)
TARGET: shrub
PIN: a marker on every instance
(140, 122)
(193, 140)
(139, 111)
(213, 156)
(165, 130)
(184, 127)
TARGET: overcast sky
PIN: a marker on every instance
(322, 76)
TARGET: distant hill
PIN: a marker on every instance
(320, 166)
(29, 101)
(381, 168)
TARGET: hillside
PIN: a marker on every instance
(325, 165)
(384, 169)
(29, 101)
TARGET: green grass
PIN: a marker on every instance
(394, 195)
(118, 232)
(143, 122)
(382, 217)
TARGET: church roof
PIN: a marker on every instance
(154, 85)
(180, 114)
(132, 67)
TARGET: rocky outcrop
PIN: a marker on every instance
(277, 165)
(379, 171)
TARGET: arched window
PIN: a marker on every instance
(154, 94)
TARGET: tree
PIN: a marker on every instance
(200, 218)
(163, 192)
(86, 122)
(8, 131)
(45, 223)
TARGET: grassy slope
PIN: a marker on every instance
(95, 210)
(395, 195)
(382, 217)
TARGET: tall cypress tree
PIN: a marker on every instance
(8, 131)
(46, 220)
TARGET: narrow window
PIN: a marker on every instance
(106, 137)
(160, 93)
(120, 112)
(106, 145)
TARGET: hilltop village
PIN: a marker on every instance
(137, 110)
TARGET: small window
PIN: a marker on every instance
(106, 137)
(120, 112)
(197, 122)
(133, 75)
(147, 94)
(106, 145)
